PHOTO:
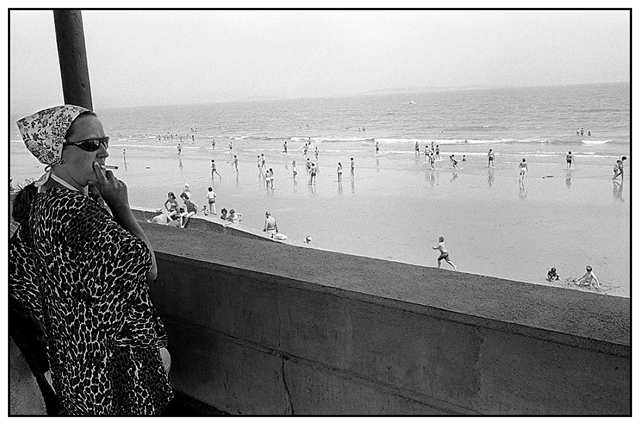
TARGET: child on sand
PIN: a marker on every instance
(444, 254)
(552, 275)
(588, 279)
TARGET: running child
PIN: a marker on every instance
(444, 254)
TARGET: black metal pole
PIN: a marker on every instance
(72, 54)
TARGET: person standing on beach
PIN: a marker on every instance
(293, 166)
(339, 172)
(618, 170)
(377, 147)
(438, 152)
(213, 144)
(186, 190)
(308, 165)
(353, 168)
(211, 199)
(270, 224)
(313, 171)
(213, 169)
(417, 148)
(259, 165)
(264, 162)
(267, 178)
(444, 254)
(230, 144)
(285, 146)
(569, 160)
(432, 160)
(523, 169)
(235, 162)
(179, 148)
(491, 156)
(316, 153)
(454, 162)
(271, 178)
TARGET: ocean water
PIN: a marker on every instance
(395, 207)
(534, 121)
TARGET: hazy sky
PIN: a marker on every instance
(166, 57)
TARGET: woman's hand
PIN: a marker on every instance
(113, 191)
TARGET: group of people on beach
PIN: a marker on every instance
(178, 216)
(588, 279)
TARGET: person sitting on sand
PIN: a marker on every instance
(552, 275)
(588, 279)
(444, 254)
(159, 218)
(270, 224)
(233, 216)
(223, 214)
(173, 203)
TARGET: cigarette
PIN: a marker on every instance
(109, 167)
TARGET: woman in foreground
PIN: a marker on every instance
(91, 266)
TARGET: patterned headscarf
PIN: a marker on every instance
(44, 132)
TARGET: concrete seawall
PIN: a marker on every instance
(262, 328)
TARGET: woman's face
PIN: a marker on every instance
(78, 163)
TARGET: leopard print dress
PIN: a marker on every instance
(84, 277)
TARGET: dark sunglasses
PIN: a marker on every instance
(91, 145)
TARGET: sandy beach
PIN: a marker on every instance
(396, 207)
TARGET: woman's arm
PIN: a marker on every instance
(116, 195)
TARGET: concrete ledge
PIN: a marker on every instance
(210, 223)
(260, 328)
